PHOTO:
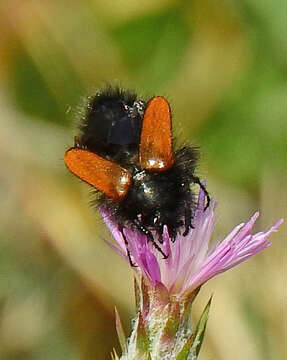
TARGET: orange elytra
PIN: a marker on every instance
(155, 150)
(104, 175)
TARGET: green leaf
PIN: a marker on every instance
(184, 352)
(200, 331)
(121, 333)
(188, 300)
(192, 346)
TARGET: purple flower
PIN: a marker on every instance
(192, 259)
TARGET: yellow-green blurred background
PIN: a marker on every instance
(223, 66)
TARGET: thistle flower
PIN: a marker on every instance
(162, 329)
(192, 260)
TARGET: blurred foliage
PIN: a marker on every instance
(153, 39)
(223, 67)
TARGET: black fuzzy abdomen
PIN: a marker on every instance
(157, 199)
(151, 192)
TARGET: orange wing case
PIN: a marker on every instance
(155, 151)
(104, 175)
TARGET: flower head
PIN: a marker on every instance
(192, 259)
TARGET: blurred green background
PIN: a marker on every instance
(223, 67)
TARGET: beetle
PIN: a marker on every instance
(125, 151)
